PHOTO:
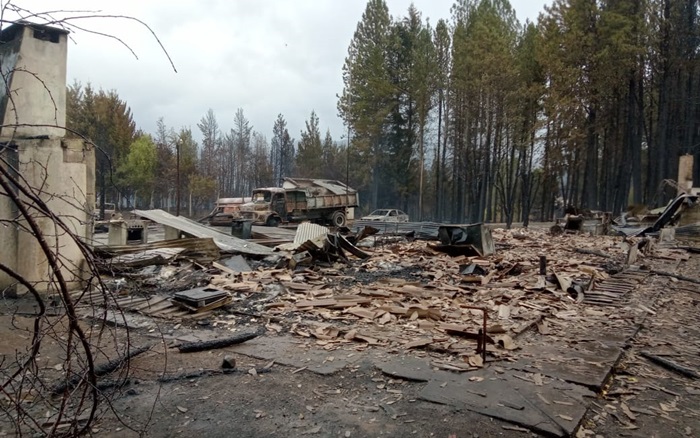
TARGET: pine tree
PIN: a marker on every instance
(282, 151)
(241, 135)
(212, 162)
(309, 158)
(367, 95)
(442, 43)
(164, 187)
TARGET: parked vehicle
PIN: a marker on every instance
(110, 212)
(225, 210)
(386, 215)
(301, 199)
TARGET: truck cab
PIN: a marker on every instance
(268, 206)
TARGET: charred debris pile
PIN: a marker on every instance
(467, 293)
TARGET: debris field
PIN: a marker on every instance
(549, 314)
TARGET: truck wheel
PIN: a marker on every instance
(272, 221)
(338, 219)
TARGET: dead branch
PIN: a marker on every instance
(67, 23)
(36, 335)
(74, 327)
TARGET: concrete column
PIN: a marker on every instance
(144, 233)
(171, 233)
(685, 173)
(118, 233)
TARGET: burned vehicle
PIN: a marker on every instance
(386, 215)
(301, 199)
(225, 210)
(110, 211)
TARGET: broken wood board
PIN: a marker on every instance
(203, 250)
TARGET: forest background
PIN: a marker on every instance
(475, 118)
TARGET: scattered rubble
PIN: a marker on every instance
(414, 297)
(534, 304)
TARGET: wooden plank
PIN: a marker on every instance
(203, 249)
(317, 303)
(150, 303)
(224, 269)
(162, 304)
(296, 286)
(131, 301)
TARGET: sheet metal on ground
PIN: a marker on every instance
(279, 233)
(422, 230)
(224, 242)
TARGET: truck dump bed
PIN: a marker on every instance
(321, 193)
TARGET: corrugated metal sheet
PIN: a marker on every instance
(422, 230)
(308, 237)
(223, 241)
(222, 201)
(308, 231)
(333, 186)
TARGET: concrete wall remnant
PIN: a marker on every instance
(60, 171)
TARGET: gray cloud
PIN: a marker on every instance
(265, 56)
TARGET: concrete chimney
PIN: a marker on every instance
(33, 66)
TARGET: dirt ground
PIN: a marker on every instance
(174, 394)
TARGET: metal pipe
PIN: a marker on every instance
(481, 343)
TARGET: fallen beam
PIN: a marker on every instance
(670, 365)
(191, 347)
(676, 276)
(100, 370)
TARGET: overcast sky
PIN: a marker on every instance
(265, 56)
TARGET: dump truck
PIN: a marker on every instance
(301, 199)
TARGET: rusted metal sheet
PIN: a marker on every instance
(323, 193)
